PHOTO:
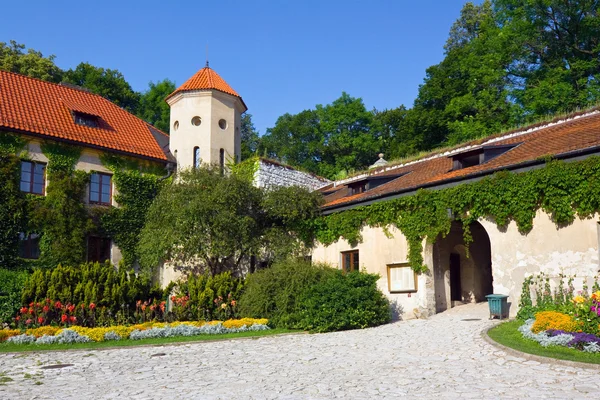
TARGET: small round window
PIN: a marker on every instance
(222, 124)
(176, 125)
(196, 121)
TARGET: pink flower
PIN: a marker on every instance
(29, 321)
(92, 306)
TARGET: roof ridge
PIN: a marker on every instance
(475, 143)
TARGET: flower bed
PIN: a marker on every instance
(79, 334)
(558, 337)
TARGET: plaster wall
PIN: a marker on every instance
(571, 250)
(210, 106)
(376, 251)
(273, 175)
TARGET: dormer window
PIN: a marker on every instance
(479, 156)
(86, 119)
(371, 182)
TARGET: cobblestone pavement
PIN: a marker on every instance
(441, 357)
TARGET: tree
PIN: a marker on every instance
(108, 83)
(556, 65)
(325, 140)
(31, 63)
(206, 221)
(250, 138)
(153, 108)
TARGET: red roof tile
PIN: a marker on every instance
(206, 79)
(578, 132)
(33, 106)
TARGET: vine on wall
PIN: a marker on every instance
(562, 190)
(137, 186)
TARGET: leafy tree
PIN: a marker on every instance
(394, 128)
(108, 83)
(556, 65)
(31, 63)
(324, 141)
(250, 138)
(210, 222)
(153, 108)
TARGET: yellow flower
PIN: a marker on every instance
(578, 299)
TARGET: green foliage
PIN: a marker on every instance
(135, 193)
(153, 108)
(563, 190)
(108, 83)
(250, 138)
(31, 63)
(61, 215)
(11, 285)
(273, 293)
(11, 144)
(210, 297)
(101, 284)
(246, 170)
(341, 302)
(208, 222)
(12, 210)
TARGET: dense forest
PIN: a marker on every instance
(506, 63)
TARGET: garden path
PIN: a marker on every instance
(441, 357)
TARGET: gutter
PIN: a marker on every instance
(571, 156)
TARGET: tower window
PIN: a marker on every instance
(196, 121)
(222, 160)
(176, 125)
(222, 124)
(197, 159)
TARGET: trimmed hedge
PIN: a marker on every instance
(11, 285)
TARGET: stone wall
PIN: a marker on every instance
(273, 174)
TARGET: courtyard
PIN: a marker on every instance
(444, 356)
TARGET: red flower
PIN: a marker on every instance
(40, 320)
(46, 309)
(17, 318)
(31, 304)
(73, 319)
(29, 321)
(152, 307)
(138, 303)
(82, 306)
(92, 306)
(58, 304)
(48, 301)
(64, 317)
(31, 310)
(233, 303)
(173, 298)
(162, 306)
(143, 307)
(24, 310)
(71, 308)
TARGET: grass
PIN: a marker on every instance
(508, 335)
(13, 347)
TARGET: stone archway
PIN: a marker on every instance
(458, 278)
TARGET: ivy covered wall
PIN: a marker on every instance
(61, 216)
(564, 190)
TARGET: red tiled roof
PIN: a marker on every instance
(578, 132)
(30, 105)
(206, 79)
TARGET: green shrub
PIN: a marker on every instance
(343, 301)
(11, 285)
(273, 293)
(205, 297)
(101, 284)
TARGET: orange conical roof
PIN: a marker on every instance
(206, 79)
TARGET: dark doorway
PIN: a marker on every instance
(462, 275)
(455, 289)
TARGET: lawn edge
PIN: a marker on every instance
(535, 357)
(199, 341)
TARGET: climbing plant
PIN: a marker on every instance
(61, 216)
(137, 186)
(246, 169)
(563, 190)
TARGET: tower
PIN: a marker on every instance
(205, 121)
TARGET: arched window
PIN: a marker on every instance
(222, 159)
(197, 159)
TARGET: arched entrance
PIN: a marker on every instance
(459, 279)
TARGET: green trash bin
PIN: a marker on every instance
(498, 305)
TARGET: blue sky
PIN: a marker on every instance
(281, 56)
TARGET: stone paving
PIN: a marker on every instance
(441, 357)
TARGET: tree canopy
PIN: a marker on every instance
(209, 222)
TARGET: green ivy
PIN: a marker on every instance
(137, 186)
(11, 144)
(246, 169)
(563, 190)
(12, 210)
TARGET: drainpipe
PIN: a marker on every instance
(170, 168)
